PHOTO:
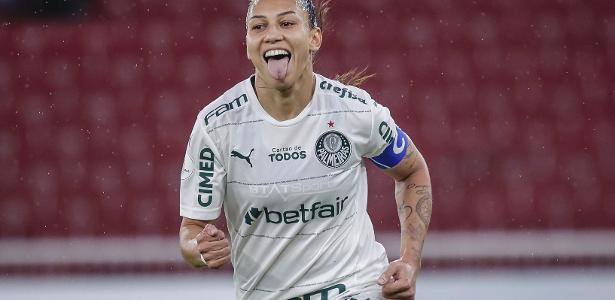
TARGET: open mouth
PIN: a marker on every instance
(278, 61)
(276, 54)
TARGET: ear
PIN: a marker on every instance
(315, 39)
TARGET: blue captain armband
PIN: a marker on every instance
(394, 152)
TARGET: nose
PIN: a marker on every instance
(273, 35)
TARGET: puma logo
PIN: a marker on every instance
(241, 156)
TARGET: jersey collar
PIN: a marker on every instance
(253, 100)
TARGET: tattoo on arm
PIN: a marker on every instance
(423, 205)
(408, 211)
(415, 230)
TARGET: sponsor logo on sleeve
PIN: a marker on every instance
(397, 145)
(220, 110)
(206, 174)
(385, 132)
(187, 167)
(399, 142)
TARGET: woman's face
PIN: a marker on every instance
(279, 42)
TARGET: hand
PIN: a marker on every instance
(399, 281)
(213, 246)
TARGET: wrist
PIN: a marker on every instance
(411, 261)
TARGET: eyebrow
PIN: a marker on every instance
(279, 15)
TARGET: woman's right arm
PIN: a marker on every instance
(202, 192)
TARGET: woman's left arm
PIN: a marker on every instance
(413, 198)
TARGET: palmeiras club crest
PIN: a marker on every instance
(333, 149)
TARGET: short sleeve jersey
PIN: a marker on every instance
(294, 192)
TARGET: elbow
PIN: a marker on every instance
(417, 172)
(418, 168)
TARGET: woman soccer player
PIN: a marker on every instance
(283, 152)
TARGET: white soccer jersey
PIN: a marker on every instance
(294, 192)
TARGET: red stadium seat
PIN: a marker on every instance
(511, 103)
(61, 73)
(10, 147)
(79, 215)
(15, 212)
(191, 70)
(6, 71)
(556, 208)
(127, 71)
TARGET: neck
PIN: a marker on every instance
(288, 102)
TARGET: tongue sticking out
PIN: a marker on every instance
(278, 67)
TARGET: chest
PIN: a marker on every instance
(275, 165)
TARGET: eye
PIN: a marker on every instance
(258, 27)
(287, 24)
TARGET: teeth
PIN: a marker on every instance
(275, 52)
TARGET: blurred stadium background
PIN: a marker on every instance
(511, 102)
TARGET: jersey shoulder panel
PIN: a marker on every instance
(225, 107)
(348, 96)
(369, 119)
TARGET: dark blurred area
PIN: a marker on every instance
(45, 8)
(511, 102)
